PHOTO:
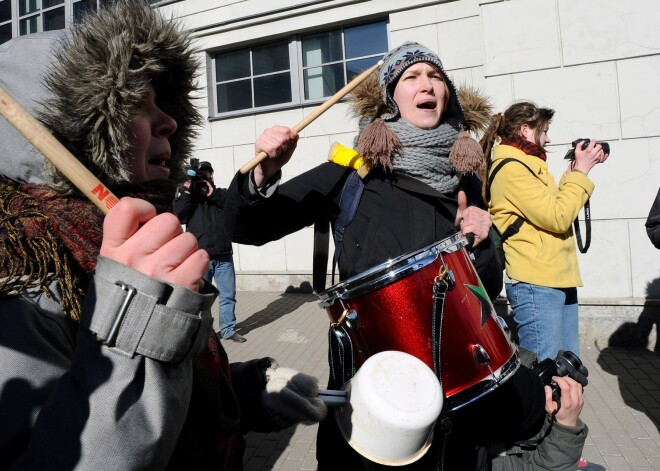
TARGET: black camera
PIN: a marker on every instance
(565, 364)
(570, 155)
(198, 178)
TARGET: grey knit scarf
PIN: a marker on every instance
(425, 154)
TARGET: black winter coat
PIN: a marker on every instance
(389, 221)
(653, 222)
(204, 218)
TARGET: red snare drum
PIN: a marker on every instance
(391, 307)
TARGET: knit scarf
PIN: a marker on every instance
(526, 146)
(425, 154)
(46, 237)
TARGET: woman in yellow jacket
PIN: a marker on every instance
(542, 271)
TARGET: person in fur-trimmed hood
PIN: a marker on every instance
(420, 170)
(108, 359)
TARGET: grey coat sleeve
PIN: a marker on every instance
(114, 395)
(560, 450)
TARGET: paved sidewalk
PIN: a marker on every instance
(622, 400)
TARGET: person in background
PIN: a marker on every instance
(199, 205)
(411, 129)
(541, 259)
(653, 222)
(107, 355)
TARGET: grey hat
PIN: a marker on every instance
(396, 61)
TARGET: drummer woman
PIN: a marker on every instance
(421, 176)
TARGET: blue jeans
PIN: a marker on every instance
(546, 318)
(222, 269)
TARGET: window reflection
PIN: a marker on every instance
(366, 40)
(5, 11)
(54, 19)
(271, 58)
(30, 25)
(27, 6)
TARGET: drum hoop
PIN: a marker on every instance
(471, 394)
(390, 271)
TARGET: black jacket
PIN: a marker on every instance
(203, 217)
(653, 222)
(389, 221)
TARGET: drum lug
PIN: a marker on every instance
(503, 324)
(451, 280)
(352, 319)
(480, 354)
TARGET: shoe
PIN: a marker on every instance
(236, 337)
(584, 465)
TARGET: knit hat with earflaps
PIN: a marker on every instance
(373, 103)
(101, 76)
(397, 61)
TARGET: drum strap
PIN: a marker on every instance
(444, 424)
(348, 203)
(439, 291)
(340, 356)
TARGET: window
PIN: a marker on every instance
(5, 21)
(253, 77)
(295, 71)
(21, 17)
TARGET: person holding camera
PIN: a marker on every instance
(199, 205)
(542, 273)
(541, 260)
(559, 444)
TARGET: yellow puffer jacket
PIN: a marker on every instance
(543, 251)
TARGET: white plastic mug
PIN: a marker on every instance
(391, 407)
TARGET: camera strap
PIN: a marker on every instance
(587, 226)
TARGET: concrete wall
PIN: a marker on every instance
(596, 62)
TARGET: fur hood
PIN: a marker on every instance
(475, 110)
(100, 76)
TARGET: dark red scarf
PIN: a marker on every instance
(526, 146)
(46, 236)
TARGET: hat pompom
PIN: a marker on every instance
(377, 144)
(466, 155)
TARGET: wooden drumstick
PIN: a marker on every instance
(54, 151)
(256, 160)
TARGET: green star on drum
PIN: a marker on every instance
(480, 293)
